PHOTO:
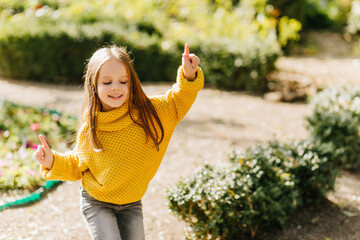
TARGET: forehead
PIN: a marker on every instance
(113, 68)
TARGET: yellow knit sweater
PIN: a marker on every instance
(121, 173)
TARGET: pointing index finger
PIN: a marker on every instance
(187, 50)
(43, 141)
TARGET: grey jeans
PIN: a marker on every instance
(107, 221)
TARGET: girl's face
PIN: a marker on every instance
(113, 85)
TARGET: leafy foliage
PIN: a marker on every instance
(335, 115)
(259, 189)
(238, 45)
(19, 130)
(354, 18)
(315, 14)
(264, 184)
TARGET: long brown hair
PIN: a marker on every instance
(148, 117)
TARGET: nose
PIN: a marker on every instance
(116, 86)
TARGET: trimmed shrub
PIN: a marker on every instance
(262, 186)
(334, 118)
(309, 161)
(238, 65)
(258, 190)
(56, 53)
(64, 34)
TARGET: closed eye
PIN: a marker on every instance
(106, 83)
(123, 82)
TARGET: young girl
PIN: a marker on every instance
(121, 141)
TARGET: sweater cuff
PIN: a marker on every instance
(191, 86)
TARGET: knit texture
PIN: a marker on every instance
(120, 174)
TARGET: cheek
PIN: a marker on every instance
(101, 92)
(103, 88)
(98, 88)
(126, 89)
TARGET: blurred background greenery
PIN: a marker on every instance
(238, 41)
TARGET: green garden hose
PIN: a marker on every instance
(32, 197)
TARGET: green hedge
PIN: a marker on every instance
(237, 65)
(335, 118)
(50, 40)
(57, 54)
(258, 190)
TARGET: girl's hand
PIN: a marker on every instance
(44, 154)
(189, 64)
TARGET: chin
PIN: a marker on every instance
(118, 105)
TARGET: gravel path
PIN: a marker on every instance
(217, 122)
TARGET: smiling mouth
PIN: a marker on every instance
(115, 97)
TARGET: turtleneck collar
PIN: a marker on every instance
(115, 119)
(109, 116)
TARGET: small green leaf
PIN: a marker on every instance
(349, 214)
(314, 220)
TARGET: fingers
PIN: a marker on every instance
(195, 60)
(192, 58)
(190, 63)
(186, 50)
(43, 141)
(39, 154)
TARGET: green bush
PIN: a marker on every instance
(263, 185)
(258, 190)
(335, 116)
(237, 65)
(353, 24)
(314, 14)
(56, 52)
(309, 161)
(63, 34)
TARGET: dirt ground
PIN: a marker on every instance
(217, 122)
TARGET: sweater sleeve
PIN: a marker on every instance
(66, 167)
(183, 94)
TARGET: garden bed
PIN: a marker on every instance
(19, 130)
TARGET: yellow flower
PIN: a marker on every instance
(79, 9)
(285, 176)
(231, 192)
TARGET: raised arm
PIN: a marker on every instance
(190, 80)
